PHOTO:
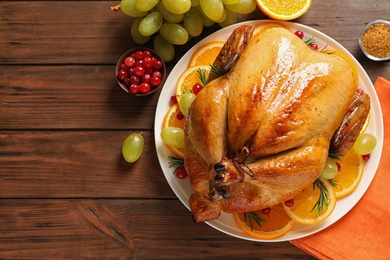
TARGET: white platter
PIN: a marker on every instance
(225, 223)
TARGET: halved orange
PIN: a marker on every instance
(304, 211)
(284, 10)
(350, 173)
(174, 118)
(189, 78)
(206, 54)
(273, 224)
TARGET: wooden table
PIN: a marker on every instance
(65, 191)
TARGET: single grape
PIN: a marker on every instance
(151, 24)
(242, 6)
(365, 144)
(173, 136)
(165, 49)
(330, 170)
(207, 22)
(193, 22)
(128, 7)
(145, 5)
(174, 33)
(213, 9)
(168, 16)
(231, 18)
(132, 147)
(185, 102)
(135, 34)
(177, 6)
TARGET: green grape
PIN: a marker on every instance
(185, 102)
(195, 3)
(135, 34)
(213, 9)
(207, 22)
(145, 5)
(128, 7)
(231, 18)
(177, 6)
(150, 24)
(230, 2)
(243, 6)
(132, 147)
(365, 144)
(173, 136)
(168, 16)
(174, 33)
(330, 170)
(193, 22)
(164, 48)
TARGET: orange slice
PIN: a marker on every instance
(176, 119)
(302, 210)
(349, 175)
(206, 54)
(274, 224)
(284, 10)
(188, 79)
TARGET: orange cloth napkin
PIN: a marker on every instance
(364, 232)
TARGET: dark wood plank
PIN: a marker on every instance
(120, 229)
(77, 164)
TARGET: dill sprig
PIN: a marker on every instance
(335, 156)
(251, 217)
(323, 200)
(310, 41)
(202, 76)
(175, 162)
(333, 183)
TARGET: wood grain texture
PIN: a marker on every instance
(120, 229)
(65, 190)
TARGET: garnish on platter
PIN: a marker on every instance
(281, 128)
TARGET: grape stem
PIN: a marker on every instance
(116, 7)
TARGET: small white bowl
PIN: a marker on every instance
(370, 56)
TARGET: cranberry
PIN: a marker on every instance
(180, 116)
(123, 67)
(266, 210)
(196, 88)
(149, 71)
(139, 71)
(122, 75)
(156, 74)
(181, 173)
(144, 87)
(138, 63)
(129, 61)
(173, 99)
(135, 80)
(155, 81)
(359, 90)
(366, 157)
(314, 46)
(127, 82)
(147, 53)
(148, 62)
(134, 88)
(300, 34)
(146, 78)
(157, 64)
(139, 55)
(289, 203)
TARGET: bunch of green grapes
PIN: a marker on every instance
(174, 22)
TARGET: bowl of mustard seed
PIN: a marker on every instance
(375, 40)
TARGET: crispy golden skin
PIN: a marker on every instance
(261, 133)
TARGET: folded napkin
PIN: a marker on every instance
(364, 232)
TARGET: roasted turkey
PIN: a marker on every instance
(259, 134)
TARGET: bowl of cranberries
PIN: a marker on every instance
(140, 71)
